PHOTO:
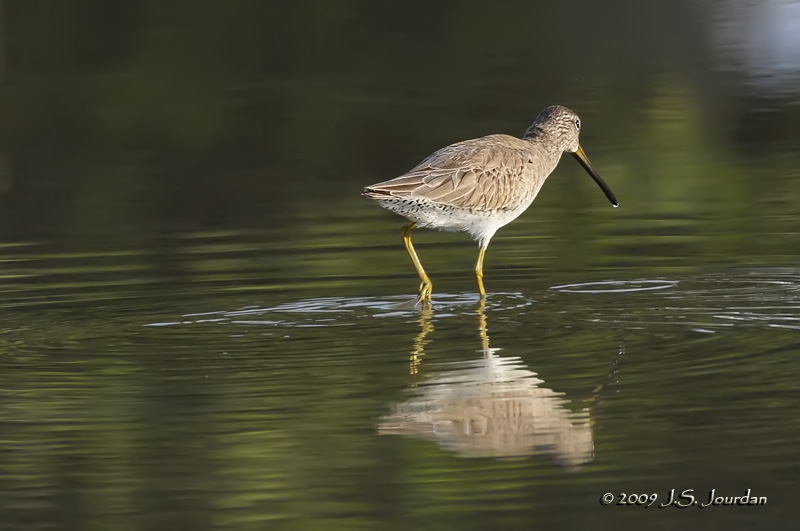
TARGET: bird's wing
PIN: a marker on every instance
(482, 174)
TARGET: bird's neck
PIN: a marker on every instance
(547, 151)
(537, 135)
(534, 131)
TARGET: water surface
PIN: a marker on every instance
(205, 326)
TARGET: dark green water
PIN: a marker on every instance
(203, 322)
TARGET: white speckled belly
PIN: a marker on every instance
(481, 224)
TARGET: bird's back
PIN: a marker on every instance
(484, 174)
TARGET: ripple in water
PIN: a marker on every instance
(326, 311)
(617, 286)
(705, 303)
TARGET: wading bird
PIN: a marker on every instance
(480, 185)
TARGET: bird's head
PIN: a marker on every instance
(559, 128)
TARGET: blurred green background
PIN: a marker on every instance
(134, 119)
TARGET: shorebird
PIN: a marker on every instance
(480, 185)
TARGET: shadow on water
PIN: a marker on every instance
(494, 406)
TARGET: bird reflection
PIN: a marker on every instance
(490, 407)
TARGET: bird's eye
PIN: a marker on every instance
(578, 123)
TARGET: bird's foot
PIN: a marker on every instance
(425, 291)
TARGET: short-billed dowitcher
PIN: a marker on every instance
(480, 185)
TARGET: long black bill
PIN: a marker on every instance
(584, 160)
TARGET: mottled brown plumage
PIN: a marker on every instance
(480, 185)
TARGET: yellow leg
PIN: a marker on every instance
(479, 272)
(426, 287)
